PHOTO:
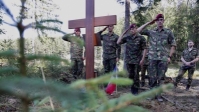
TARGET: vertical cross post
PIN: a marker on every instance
(89, 39)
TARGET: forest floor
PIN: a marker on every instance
(175, 100)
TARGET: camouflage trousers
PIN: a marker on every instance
(77, 67)
(109, 65)
(143, 73)
(156, 71)
(164, 76)
(133, 72)
(182, 72)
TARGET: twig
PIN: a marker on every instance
(5, 8)
(10, 106)
(9, 23)
(173, 102)
(44, 79)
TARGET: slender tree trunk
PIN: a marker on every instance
(33, 46)
(127, 23)
(127, 13)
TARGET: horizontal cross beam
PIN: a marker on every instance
(98, 21)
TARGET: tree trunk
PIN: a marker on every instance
(127, 23)
(127, 13)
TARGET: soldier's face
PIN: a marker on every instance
(160, 22)
(190, 44)
(110, 28)
(77, 33)
(133, 30)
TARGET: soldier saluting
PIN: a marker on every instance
(76, 51)
(111, 50)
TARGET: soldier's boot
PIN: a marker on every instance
(142, 83)
(187, 88)
(134, 90)
(75, 77)
(175, 84)
(159, 98)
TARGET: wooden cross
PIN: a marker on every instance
(89, 23)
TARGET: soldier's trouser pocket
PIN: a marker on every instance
(156, 70)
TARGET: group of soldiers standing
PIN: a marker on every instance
(153, 54)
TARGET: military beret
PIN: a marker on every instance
(133, 25)
(77, 30)
(159, 16)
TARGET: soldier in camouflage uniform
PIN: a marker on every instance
(135, 44)
(161, 47)
(189, 58)
(111, 50)
(76, 51)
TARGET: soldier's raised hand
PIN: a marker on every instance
(105, 28)
(153, 21)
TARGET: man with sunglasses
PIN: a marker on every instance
(161, 48)
(111, 50)
(135, 45)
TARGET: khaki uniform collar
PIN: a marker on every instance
(112, 34)
(190, 49)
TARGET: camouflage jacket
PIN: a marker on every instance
(190, 55)
(76, 49)
(110, 47)
(134, 47)
(159, 43)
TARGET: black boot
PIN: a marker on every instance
(159, 98)
(187, 88)
(175, 84)
(142, 83)
(134, 90)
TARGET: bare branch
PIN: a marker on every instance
(4, 7)
(9, 23)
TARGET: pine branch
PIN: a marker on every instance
(9, 69)
(102, 80)
(128, 99)
(47, 57)
(8, 53)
